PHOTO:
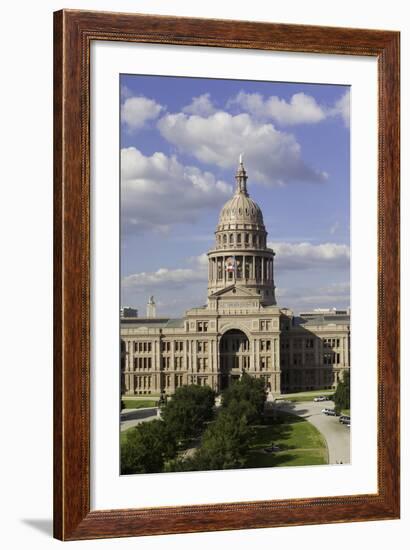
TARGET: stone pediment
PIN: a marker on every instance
(234, 292)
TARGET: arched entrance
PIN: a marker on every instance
(234, 356)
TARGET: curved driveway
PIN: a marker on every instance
(337, 435)
(132, 417)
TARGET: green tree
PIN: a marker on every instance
(249, 390)
(146, 448)
(225, 442)
(342, 394)
(188, 410)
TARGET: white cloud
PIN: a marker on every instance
(271, 156)
(309, 297)
(201, 105)
(342, 108)
(158, 191)
(301, 109)
(168, 279)
(163, 278)
(300, 256)
(125, 92)
(136, 111)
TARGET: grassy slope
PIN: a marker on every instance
(300, 443)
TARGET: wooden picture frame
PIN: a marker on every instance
(74, 32)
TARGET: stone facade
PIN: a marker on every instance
(240, 329)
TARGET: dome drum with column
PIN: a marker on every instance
(240, 256)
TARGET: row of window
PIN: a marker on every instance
(142, 363)
(246, 239)
(331, 342)
(202, 346)
(308, 343)
(238, 344)
(331, 358)
(309, 359)
(143, 347)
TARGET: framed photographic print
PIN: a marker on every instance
(226, 275)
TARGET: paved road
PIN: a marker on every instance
(337, 435)
(132, 417)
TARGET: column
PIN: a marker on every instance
(253, 268)
(130, 365)
(131, 384)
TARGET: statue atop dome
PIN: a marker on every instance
(241, 177)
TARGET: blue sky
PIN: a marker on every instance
(180, 142)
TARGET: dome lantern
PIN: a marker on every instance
(241, 177)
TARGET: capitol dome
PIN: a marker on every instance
(241, 209)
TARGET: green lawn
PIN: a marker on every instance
(345, 411)
(300, 442)
(139, 403)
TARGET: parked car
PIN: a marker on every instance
(344, 419)
(320, 398)
(329, 412)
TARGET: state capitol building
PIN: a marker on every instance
(241, 328)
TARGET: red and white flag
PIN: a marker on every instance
(230, 265)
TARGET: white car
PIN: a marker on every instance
(320, 398)
(329, 412)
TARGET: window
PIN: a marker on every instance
(231, 238)
(265, 325)
(202, 346)
(284, 344)
(331, 342)
(309, 343)
(179, 346)
(310, 358)
(239, 239)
